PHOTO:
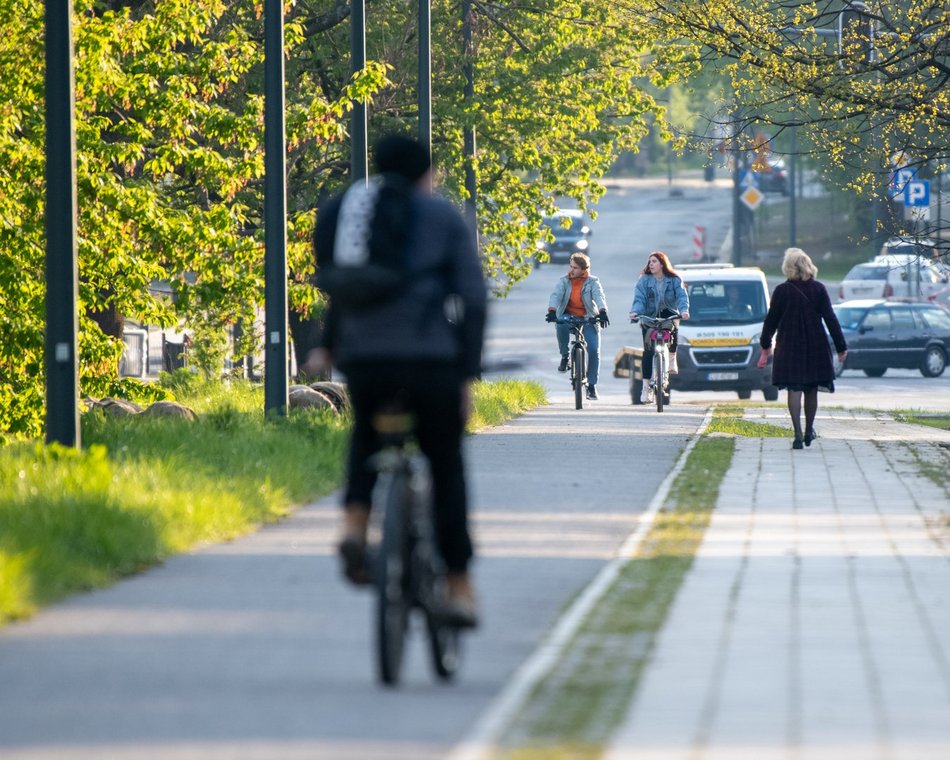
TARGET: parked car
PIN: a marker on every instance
(774, 176)
(902, 246)
(571, 230)
(882, 335)
(908, 277)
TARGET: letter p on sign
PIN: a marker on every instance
(917, 193)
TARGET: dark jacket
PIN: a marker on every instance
(802, 355)
(443, 267)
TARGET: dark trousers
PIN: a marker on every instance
(647, 366)
(432, 393)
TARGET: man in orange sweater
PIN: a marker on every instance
(579, 294)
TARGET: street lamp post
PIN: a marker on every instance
(275, 213)
(469, 146)
(359, 162)
(62, 289)
(425, 74)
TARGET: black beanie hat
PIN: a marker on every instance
(396, 154)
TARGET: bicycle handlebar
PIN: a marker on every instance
(655, 321)
(578, 321)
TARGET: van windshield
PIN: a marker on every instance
(726, 302)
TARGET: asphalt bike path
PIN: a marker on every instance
(256, 648)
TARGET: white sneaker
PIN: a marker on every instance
(646, 395)
(674, 367)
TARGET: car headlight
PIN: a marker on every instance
(582, 245)
(754, 340)
(682, 340)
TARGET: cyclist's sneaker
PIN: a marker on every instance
(674, 367)
(355, 561)
(646, 395)
(459, 608)
(592, 393)
(562, 367)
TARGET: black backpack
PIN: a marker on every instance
(370, 252)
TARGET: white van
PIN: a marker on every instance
(719, 343)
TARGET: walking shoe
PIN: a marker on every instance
(352, 547)
(355, 561)
(591, 393)
(810, 436)
(562, 367)
(674, 367)
(459, 608)
(797, 443)
(646, 395)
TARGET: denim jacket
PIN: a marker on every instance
(592, 294)
(646, 296)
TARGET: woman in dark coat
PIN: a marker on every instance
(802, 363)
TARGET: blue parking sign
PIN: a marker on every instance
(898, 183)
(917, 193)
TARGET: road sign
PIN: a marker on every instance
(916, 213)
(917, 193)
(899, 181)
(752, 197)
(748, 179)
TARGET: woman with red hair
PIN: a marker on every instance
(659, 291)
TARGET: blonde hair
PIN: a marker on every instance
(797, 265)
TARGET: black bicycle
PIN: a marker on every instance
(408, 572)
(577, 354)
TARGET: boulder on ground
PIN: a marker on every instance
(303, 397)
(170, 409)
(115, 407)
(336, 392)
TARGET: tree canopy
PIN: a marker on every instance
(169, 128)
(865, 101)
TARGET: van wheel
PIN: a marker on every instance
(878, 372)
(745, 394)
(770, 392)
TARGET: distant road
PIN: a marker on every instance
(633, 218)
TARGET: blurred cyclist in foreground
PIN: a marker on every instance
(421, 342)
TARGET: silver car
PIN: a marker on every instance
(908, 278)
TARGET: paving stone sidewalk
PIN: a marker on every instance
(815, 622)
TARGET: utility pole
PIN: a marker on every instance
(471, 212)
(425, 74)
(359, 164)
(793, 191)
(736, 191)
(62, 271)
(275, 214)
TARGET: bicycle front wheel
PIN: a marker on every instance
(659, 369)
(392, 581)
(580, 375)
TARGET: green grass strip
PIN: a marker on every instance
(501, 400)
(579, 705)
(143, 489)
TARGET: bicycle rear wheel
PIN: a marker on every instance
(392, 581)
(579, 358)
